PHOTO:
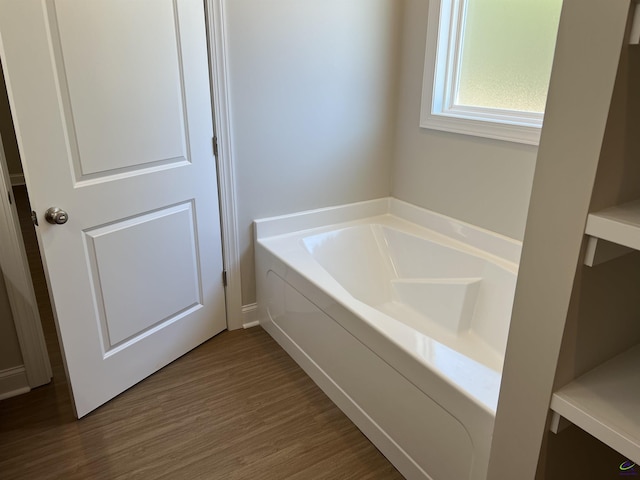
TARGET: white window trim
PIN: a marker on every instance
(440, 76)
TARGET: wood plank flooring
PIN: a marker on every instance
(237, 407)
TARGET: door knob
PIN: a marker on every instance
(56, 216)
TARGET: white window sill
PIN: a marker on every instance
(459, 123)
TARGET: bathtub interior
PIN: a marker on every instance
(443, 290)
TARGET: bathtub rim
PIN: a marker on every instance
(495, 244)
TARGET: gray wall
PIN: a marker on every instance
(312, 105)
(9, 347)
(480, 181)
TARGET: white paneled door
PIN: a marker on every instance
(112, 109)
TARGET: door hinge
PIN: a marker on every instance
(214, 140)
(9, 195)
(224, 278)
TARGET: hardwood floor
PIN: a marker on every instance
(237, 407)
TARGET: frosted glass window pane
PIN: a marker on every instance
(507, 53)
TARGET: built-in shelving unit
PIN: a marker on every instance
(619, 224)
(568, 318)
(605, 402)
(613, 232)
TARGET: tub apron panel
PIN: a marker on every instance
(435, 440)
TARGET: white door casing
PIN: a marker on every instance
(14, 267)
(113, 117)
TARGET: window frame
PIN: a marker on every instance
(445, 32)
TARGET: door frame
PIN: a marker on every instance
(218, 63)
(22, 298)
(26, 317)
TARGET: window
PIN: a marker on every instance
(487, 67)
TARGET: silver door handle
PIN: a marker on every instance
(56, 216)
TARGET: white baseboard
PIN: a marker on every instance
(17, 179)
(13, 381)
(250, 315)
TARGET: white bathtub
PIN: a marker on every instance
(401, 316)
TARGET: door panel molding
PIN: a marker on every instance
(179, 290)
(133, 142)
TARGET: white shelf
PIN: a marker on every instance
(605, 403)
(619, 224)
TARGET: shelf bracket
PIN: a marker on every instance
(558, 422)
(600, 251)
(634, 36)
